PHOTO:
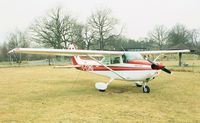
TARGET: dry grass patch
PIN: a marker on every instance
(44, 94)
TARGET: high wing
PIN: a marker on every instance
(163, 51)
(65, 52)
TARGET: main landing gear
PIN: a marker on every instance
(138, 84)
(103, 86)
(146, 88)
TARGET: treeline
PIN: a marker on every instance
(58, 29)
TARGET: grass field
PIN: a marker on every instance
(43, 94)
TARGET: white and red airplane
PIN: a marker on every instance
(123, 65)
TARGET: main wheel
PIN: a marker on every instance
(102, 90)
(146, 89)
(138, 85)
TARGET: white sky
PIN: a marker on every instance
(138, 16)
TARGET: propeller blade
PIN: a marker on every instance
(150, 61)
(154, 65)
(166, 70)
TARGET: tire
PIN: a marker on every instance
(102, 90)
(146, 89)
(138, 85)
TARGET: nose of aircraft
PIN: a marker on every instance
(157, 66)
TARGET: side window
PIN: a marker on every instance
(106, 60)
(115, 60)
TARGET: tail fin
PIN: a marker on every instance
(71, 47)
(73, 58)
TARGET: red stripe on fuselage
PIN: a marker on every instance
(119, 68)
(141, 62)
(115, 68)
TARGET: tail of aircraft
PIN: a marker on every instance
(73, 58)
(78, 61)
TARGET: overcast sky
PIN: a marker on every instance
(138, 16)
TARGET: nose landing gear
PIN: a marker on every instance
(146, 89)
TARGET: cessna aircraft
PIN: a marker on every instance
(121, 65)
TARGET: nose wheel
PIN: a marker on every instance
(146, 89)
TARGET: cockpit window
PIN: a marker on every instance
(131, 56)
(115, 60)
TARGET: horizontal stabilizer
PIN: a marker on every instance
(68, 66)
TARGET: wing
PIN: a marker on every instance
(163, 51)
(64, 52)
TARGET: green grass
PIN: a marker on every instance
(44, 94)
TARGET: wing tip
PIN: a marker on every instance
(13, 50)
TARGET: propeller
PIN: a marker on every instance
(166, 70)
(158, 66)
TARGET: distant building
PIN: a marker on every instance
(182, 46)
(137, 49)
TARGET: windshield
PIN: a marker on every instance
(128, 56)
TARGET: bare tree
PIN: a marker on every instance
(4, 52)
(88, 36)
(77, 37)
(102, 23)
(16, 40)
(159, 35)
(178, 34)
(195, 39)
(55, 30)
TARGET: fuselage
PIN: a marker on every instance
(133, 70)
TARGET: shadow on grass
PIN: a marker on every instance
(123, 89)
(79, 91)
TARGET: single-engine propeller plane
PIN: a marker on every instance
(117, 65)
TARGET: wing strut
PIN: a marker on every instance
(107, 67)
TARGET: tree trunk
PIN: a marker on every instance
(180, 59)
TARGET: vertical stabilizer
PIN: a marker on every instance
(73, 58)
